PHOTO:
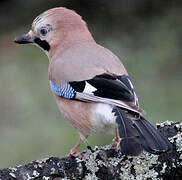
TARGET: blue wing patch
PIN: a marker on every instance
(67, 92)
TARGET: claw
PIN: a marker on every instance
(75, 154)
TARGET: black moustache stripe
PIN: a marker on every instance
(42, 43)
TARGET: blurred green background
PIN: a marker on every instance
(145, 34)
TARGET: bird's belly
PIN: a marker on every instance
(103, 119)
(87, 118)
(77, 113)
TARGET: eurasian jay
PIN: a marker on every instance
(91, 86)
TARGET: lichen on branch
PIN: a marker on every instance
(107, 163)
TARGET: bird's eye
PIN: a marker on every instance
(43, 31)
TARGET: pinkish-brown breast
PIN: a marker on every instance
(77, 113)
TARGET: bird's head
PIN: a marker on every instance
(55, 29)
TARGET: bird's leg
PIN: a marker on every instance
(117, 140)
(73, 152)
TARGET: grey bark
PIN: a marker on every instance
(106, 163)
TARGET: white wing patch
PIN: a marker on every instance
(89, 89)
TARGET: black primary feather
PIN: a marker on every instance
(138, 134)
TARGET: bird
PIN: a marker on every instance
(90, 84)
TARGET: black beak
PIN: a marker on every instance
(23, 39)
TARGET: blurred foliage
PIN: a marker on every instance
(145, 34)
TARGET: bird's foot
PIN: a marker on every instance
(116, 141)
(75, 154)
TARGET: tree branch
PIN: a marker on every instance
(107, 163)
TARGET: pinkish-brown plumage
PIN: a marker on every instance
(78, 114)
(92, 88)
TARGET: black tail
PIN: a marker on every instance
(139, 134)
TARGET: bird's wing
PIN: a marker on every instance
(89, 72)
(105, 88)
